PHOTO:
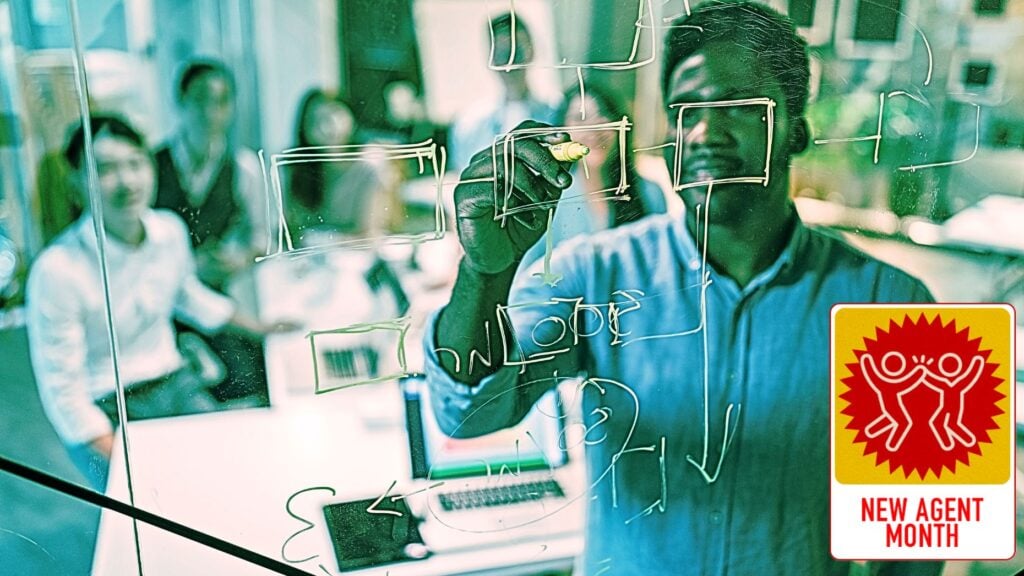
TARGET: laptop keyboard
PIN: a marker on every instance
(500, 495)
(360, 362)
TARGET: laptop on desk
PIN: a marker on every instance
(510, 486)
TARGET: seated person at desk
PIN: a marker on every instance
(597, 176)
(151, 275)
(213, 184)
(333, 199)
(216, 187)
(755, 499)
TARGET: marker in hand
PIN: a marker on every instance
(568, 151)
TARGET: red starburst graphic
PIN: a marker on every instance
(922, 396)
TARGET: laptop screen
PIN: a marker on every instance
(536, 443)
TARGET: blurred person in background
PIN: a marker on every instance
(213, 184)
(407, 114)
(216, 186)
(334, 199)
(152, 279)
(477, 127)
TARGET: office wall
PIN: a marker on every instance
(300, 49)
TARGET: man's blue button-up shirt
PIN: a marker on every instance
(707, 408)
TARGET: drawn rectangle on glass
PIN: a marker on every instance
(429, 159)
(358, 354)
(769, 117)
(503, 155)
(644, 41)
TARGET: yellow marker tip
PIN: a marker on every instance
(569, 151)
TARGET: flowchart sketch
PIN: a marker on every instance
(359, 201)
(507, 202)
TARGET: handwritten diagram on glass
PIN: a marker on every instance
(503, 156)
(687, 116)
(359, 164)
(358, 354)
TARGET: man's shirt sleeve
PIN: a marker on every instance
(536, 330)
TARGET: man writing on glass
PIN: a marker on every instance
(705, 338)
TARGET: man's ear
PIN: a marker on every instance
(800, 136)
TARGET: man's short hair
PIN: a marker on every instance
(196, 69)
(100, 124)
(765, 32)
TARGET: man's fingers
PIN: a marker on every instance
(522, 147)
(528, 220)
(527, 187)
(479, 160)
(543, 132)
(535, 156)
(525, 175)
(515, 170)
(554, 138)
(528, 143)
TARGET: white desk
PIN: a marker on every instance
(231, 474)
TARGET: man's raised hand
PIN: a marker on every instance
(493, 246)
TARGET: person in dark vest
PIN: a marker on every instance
(216, 187)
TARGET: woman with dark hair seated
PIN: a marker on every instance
(332, 199)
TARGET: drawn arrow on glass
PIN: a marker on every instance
(547, 276)
(372, 508)
(727, 433)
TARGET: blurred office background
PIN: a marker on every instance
(946, 77)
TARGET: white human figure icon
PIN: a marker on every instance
(890, 385)
(957, 382)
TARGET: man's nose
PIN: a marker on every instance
(707, 126)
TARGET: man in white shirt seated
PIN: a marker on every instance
(151, 278)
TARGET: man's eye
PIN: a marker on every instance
(690, 118)
(746, 112)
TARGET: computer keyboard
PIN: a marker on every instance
(501, 495)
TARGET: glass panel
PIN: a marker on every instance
(274, 191)
(43, 531)
(47, 418)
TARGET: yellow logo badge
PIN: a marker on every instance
(922, 431)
